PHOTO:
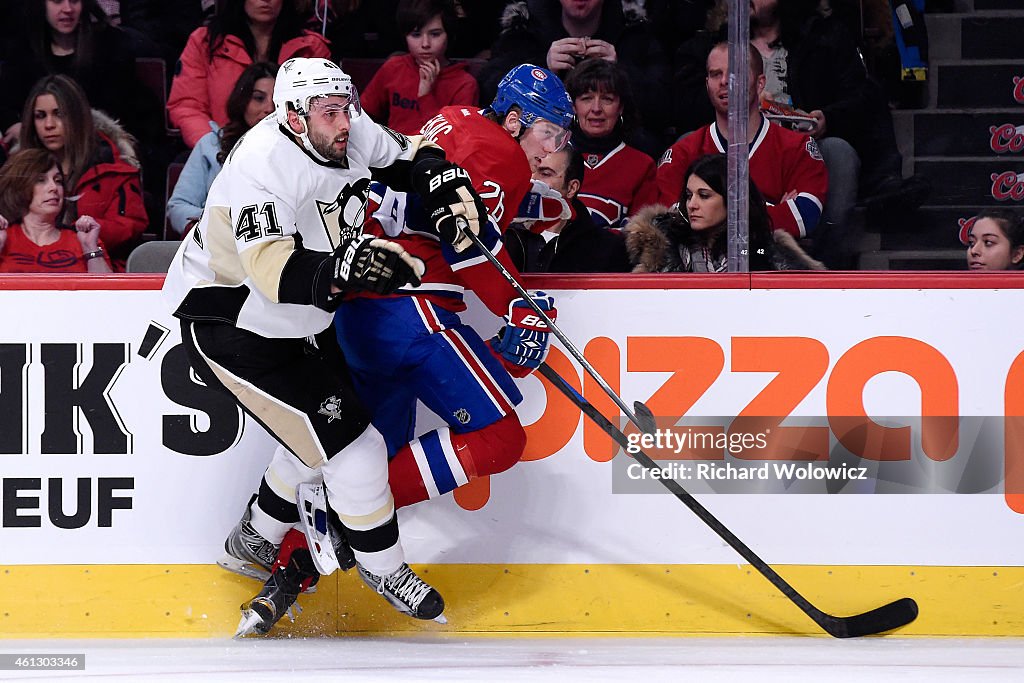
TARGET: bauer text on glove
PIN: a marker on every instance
(447, 192)
(522, 344)
(371, 264)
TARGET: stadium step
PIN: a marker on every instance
(975, 84)
(982, 5)
(977, 133)
(986, 182)
(992, 37)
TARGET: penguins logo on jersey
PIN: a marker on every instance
(331, 409)
(343, 218)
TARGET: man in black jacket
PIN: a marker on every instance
(574, 245)
(561, 33)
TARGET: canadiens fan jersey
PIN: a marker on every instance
(781, 161)
(500, 174)
(270, 200)
(617, 184)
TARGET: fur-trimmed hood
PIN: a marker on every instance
(517, 15)
(658, 239)
(123, 140)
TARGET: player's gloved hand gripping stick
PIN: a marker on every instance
(523, 342)
(452, 205)
(640, 415)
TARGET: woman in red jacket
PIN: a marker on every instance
(32, 195)
(240, 33)
(97, 158)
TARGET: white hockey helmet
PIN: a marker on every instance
(302, 79)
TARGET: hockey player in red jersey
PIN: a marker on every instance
(438, 360)
(412, 347)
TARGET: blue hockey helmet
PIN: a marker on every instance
(538, 92)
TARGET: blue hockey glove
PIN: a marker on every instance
(522, 344)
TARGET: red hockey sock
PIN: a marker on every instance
(423, 468)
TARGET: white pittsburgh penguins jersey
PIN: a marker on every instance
(270, 199)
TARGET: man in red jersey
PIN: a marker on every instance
(785, 165)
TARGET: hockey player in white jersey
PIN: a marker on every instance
(278, 246)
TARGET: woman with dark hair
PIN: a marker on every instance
(619, 179)
(97, 160)
(240, 33)
(75, 38)
(32, 197)
(250, 101)
(409, 89)
(694, 239)
(996, 240)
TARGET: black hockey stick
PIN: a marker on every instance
(642, 417)
(885, 618)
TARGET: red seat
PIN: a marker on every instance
(361, 69)
(152, 73)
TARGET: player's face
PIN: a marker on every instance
(540, 140)
(704, 207)
(329, 126)
(598, 112)
(717, 80)
(261, 103)
(48, 194)
(263, 11)
(63, 15)
(988, 248)
(552, 169)
(49, 122)
(428, 42)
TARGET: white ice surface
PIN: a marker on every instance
(561, 660)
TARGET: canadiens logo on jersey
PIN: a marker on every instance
(331, 409)
(343, 218)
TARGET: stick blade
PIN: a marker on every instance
(885, 618)
(645, 418)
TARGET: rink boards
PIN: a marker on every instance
(121, 476)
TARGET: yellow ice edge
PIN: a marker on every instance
(190, 601)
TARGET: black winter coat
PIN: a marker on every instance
(581, 247)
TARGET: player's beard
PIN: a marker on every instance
(324, 145)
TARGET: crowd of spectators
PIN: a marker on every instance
(648, 80)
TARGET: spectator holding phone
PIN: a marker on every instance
(562, 33)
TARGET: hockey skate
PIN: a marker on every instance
(407, 592)
(278, 596)
(324, 532)
(246, 552)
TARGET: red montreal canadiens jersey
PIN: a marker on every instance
(618, 184)
(780, 160)
(500, 174)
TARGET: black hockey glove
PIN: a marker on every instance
(447, 192)
(375, 265)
